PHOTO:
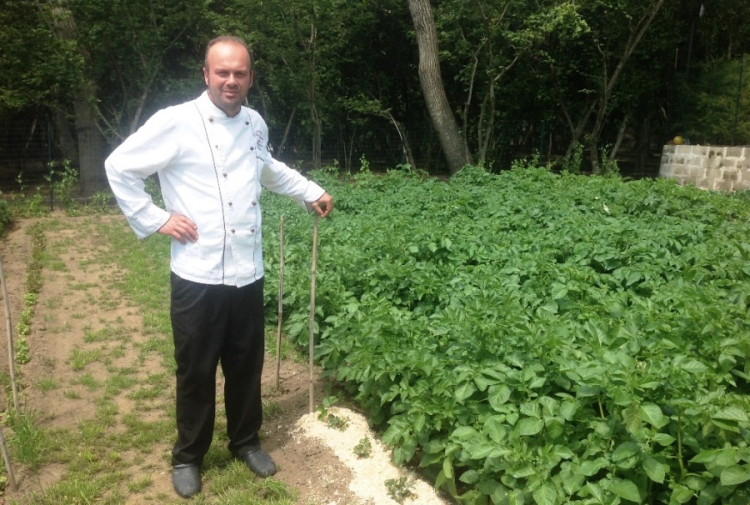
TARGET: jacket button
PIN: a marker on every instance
(255, 203)
(252, 230)
(232, 230)
(230, 204)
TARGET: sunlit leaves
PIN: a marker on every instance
(546, 353)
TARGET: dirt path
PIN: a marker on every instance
(80, 315)
(96, 357)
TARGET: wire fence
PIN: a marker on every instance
(28, 148)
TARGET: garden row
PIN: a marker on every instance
(532, 337)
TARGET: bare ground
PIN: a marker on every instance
(78, 303)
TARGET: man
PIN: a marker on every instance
(211, 157)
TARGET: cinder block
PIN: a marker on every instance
(730, 175)
(699, 172)
(699, 150)
(704, 183)
(734, 152)
(668, 149)
(678, 160)
(723, 185)
(713, 174)
(665, 170)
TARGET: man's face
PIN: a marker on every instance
(228, 76)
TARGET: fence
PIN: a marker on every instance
(27, 148)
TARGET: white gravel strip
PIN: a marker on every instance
(369, 474)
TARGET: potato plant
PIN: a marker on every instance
(531, 337)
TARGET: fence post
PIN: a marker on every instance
(737, 103)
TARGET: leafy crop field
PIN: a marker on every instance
(533, 337)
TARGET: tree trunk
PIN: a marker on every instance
(91, 148)
(454, 148)
(91, 142)
(68, 148)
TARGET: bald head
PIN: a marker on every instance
(228, 73)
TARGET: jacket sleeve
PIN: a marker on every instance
(280, 178)
(142, 154)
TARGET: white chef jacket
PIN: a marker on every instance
(211, 168)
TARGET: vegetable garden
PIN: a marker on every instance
(532, 337)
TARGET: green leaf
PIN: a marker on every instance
(663, 439)
(653, 415)
(694, 366)
(680, 494)
(626, 489)
(590, 468)
(464, 391)
(546, 494)
(568, 409)
(559, 291)
(563, 452)
(707, 456)
(735, 475)
(655, 470)
(731, 414)
(498, 395)
(625, 450)
(464, 433)
(483, 382)
(530, 426)
(596, 491)
(469, 477)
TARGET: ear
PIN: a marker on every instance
(205, 76)
(252, 78)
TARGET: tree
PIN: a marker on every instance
(454, 146)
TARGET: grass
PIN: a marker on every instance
(122, 383)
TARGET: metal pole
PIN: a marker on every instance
(312, 308)
(281, 298)
(8, 466)
(737, 104)
(11, 360)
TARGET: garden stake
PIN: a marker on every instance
(11, 361)
(6, 457)
(281, 297)
(312, 305)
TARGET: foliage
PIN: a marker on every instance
(533, 337)
(5, 215)
(400, 489)
(717, 100)
(363, 449)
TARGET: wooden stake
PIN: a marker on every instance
(281, 304)
(312, 308)
(11, 360)
(6, 458)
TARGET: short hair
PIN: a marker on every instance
(226, 38)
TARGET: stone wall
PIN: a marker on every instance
(707, 167)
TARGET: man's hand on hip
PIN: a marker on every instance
(323, 205)
(180, 228)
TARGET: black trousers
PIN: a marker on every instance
(217, 324)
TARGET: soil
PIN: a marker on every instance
(79, 297)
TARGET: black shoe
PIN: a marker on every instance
(186, 479)
(259, 462)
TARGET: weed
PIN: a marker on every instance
(46, 384)
(29, 442)
(400, 489)
(363, 449)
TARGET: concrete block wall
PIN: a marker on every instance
(718, 168)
